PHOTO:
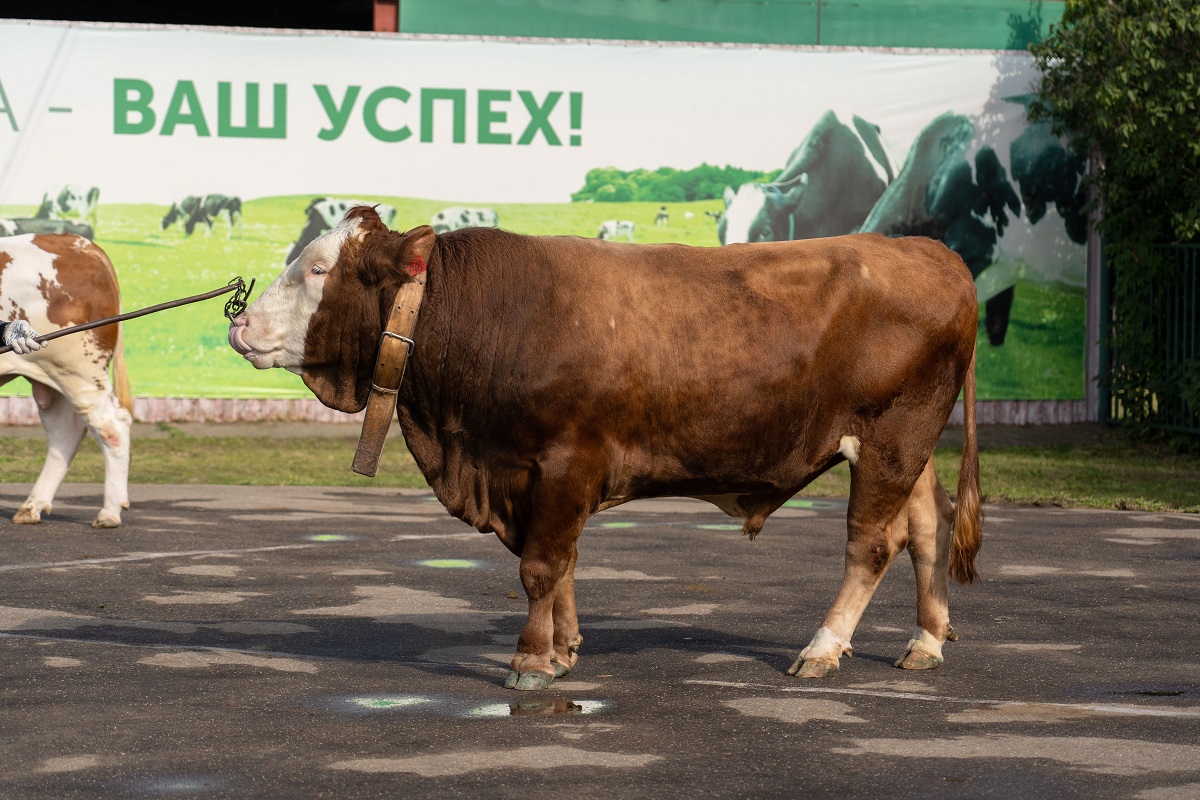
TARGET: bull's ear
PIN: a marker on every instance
(729, 195)
(387, 256)
(418, 245)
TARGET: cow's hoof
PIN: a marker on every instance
(28, 514)
(528, 681)
(813, 667)
(106, 521)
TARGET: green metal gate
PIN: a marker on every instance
(1169, 360)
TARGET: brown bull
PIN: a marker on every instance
(554, 377)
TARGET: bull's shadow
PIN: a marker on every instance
(413, 646)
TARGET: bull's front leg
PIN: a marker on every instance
(567, 639)
(546, 648)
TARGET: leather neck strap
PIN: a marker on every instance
(395, 346)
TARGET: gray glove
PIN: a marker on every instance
(20, 336)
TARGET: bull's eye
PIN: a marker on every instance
(318, 270)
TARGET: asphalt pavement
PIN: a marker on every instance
(282, 642)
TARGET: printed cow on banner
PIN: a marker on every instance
(55, 282)
(955, 187)
(323, 215)
(828, 187)
(196, 210)
(16, 226)
(616, 229)
(71, 203)
(458, 217)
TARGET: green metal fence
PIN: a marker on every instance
(987, 24)
(1168, 361)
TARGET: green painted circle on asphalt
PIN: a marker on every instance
(449, 563)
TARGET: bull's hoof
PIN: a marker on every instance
(813, 667)
(528, 681)
(560, 669)
(915, 659)
(103, 520)
(28, 514)
(924, 651)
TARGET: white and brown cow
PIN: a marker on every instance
(555, 376)
(55, 282)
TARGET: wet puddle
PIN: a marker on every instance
(540, 708)
(472, 709)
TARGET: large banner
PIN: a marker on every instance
(192, 156)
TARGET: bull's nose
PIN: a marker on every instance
(236, 330)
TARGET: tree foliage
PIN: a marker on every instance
(1122, 78)
(665, 184)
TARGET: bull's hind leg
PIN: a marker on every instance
(881, 479)
(929, 514)
(64, 431)
(547, 561)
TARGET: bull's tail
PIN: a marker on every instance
(968, 512)
(120, 374)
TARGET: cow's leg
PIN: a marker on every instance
(996, 314)
(110, 425)
(882, 477)
(929, 514)
(555, 525)
(64, 431)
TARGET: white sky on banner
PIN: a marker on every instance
(643, 106)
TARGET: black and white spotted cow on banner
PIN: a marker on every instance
(70, 203)
(18, 226)
(616, 229)
(324, 214)
(204, 209)
(828, 187)
(956, 188)
(458, 217)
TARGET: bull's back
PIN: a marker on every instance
(750, 305)
(675, 347)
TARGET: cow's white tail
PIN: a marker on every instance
(968, 513)
(120, 376)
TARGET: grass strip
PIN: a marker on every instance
(1111, 475)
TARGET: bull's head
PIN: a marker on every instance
(172, 215)
(323, 316)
